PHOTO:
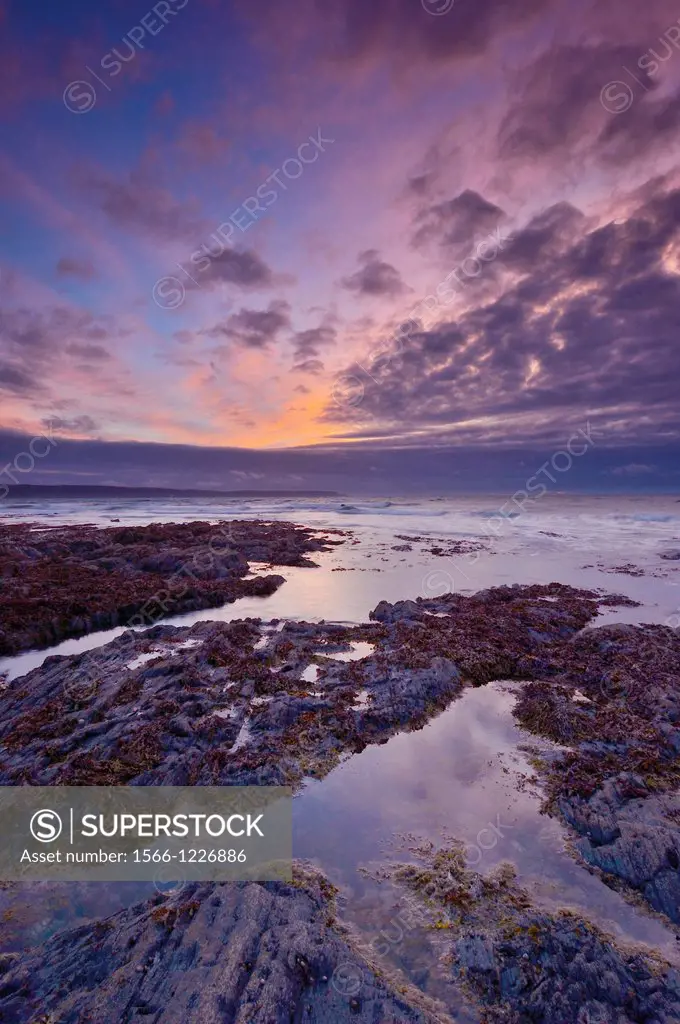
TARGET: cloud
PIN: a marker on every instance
(16, 381)
(308, 366)
(400, 31)
(587, 329)
(77, 425)
(419, 184)
(36, 345)
(143, 206)
(652, 125)
(91, 353)
(254, 328)
(240, 267)
(546, 235)
(25, 71)
(375, 278)
(83, 269)
(308, 346)
(574, 102)
(362, 468)
(457, 221)
(633, 469)
(202, 144)
(164, 105)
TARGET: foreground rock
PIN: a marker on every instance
(613, 699)
(237, 703)
(69, 581)
(247, 953)
(521, 964)
(207, 705)
(246, 703)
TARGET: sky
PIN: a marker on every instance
(396, 245)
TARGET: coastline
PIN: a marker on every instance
(70, 717)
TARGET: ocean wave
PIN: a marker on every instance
(646, 517)
(493, 513)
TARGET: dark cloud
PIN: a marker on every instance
(458, 221)
(68, 267)
(588, 331)
(555, 98)
(77, 425)
(88, 352)
(545, 236)
(419, 185)
(358, 31)
(16, 381)
(26, 73)
(309, 344)
(202, 144)
(144, 207)
(240, 267)
(34, 344)
(308, 366)
(254, 328)
(23, 329)
(141, 205)
(634, 469)
(375, 277)
(362, 468)
(576, 101)
(651, 124)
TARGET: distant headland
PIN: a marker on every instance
(66, 491)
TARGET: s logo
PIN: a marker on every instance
(46, 826)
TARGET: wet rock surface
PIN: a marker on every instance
(632, 839)
(220, 703)
(69, 581)
(440, 547)
(521, 964)
(249, 702)
(239, 952)
(613, 699)
(230, 703)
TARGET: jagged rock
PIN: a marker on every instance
(65, 582)
(385, 612)
(521, 964)
(247, 953)
(210, 705)
(228, 702)
(201, 705)
(617, 786)
(637, 840)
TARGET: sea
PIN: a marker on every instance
(608, 543)
(468, 773)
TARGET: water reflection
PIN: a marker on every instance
(461, 776)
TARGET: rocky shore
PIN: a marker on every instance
(252, 702)
(519, 964)
(612, 698)
(247, 703)
(242, 952)
(69, 581)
